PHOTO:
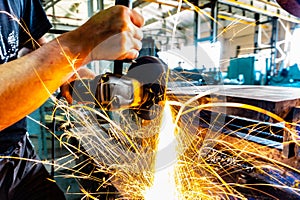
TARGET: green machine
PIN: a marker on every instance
(251, 69)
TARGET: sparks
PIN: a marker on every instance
(164, 186)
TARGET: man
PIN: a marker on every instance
(26, 82)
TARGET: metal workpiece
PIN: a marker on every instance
(278, 100)
(255, 134)
(268, 182)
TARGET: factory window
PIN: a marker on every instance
(295, 47)
(208, 56)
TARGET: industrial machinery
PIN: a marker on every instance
(289, 76)
(247, 70)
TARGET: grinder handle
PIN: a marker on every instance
(127, 3)
(118, 64)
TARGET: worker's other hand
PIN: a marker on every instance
(82, 73)
(111, 34)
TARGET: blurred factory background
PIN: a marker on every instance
(251, 47)
(258, 34)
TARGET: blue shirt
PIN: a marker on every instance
(21, 22)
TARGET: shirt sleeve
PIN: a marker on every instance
(35, 21)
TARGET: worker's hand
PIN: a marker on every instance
(111, 34)
(82, 73)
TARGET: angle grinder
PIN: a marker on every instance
(142, 89)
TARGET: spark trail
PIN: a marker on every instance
(164, 186)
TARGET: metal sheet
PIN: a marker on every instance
(278, 100)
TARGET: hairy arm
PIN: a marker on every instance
(26, 83)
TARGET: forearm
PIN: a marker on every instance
(28, 81)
